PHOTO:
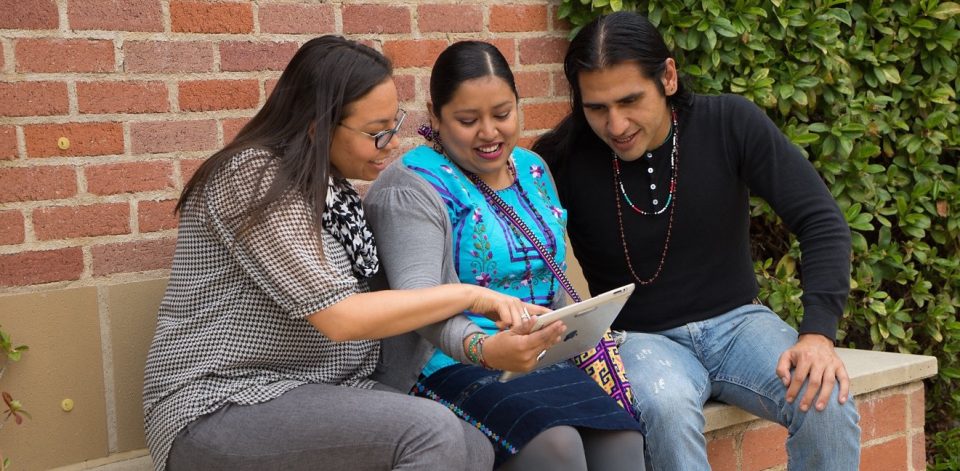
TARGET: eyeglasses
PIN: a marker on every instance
(382, 138)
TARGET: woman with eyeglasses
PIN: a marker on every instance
(266, 339)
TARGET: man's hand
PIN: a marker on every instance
(813, 358)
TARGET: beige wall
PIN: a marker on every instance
(87, 345)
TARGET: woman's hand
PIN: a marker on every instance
(507, 311)
(519, 350)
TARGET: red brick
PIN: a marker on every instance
(375, 19)
(131, 177)
(424, 85)
(450, 18)
(518, 18)
(231, 127)
(268, 86)
(64, 55)
(917, 411)
(67, 222)
(115, 15)
(296, 18)
(557, 24)
(886, 456)
(532, 84)
(560, 85)
(255, 56)
(883, 416)
(167, 56)
(188, 168)
(37, 183)
(406, 87)
(127, 257)
(211, 17)
(210, 95)
(722, 454)
(543, 50)
(173, 136)
(413, 52)
(918, 451)
(45, 266)
(544, 115)
(526, 141)
(508, 48)
(415, 117)
(29, 14)
(764, 447)
(122, 97)
(11, 227)
(85, 139)
(155, 216)
(33, 98)
(8, 142)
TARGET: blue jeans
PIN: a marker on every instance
(730, 358)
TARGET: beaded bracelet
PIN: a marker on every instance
(473, 352)
(480, 352)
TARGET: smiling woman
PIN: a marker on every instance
(269, 319)
(362, 141)
(441, 200)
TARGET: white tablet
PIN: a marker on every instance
(586, 322)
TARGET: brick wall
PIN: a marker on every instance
(892, 437)
(108, 106)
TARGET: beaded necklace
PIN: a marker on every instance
(671, 203)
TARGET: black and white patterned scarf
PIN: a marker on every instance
(343, 218)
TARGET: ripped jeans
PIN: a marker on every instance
(730, 358)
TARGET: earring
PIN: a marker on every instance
(431, 135)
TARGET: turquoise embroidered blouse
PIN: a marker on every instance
(487, 250)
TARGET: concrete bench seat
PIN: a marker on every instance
(887, 386)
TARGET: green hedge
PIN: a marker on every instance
(868, 89)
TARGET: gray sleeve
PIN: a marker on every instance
(412, 231)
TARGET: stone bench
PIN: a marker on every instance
(888, 389)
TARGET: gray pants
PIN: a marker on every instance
(326, 427)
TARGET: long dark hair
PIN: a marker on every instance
(604, 42)
(298, 120)
(462, 61)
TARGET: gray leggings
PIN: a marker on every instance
(321, 426)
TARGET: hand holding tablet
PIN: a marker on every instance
(586, 323)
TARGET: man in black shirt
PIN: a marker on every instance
(657, 183)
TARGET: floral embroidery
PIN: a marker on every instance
(536, 171)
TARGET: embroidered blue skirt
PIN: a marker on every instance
(510, 414)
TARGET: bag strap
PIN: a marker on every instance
(494, 199)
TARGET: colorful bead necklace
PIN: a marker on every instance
(673, 175)
(670, 203)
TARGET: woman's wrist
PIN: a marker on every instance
(470, 347)
(473, 348)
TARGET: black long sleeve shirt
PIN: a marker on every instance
(728, 150)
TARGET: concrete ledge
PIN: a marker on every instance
(138, 460)
(869, 371)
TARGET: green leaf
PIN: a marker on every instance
(842, 16)
(946, 10)
(895, 329)
(879, 308)
(891, 74)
